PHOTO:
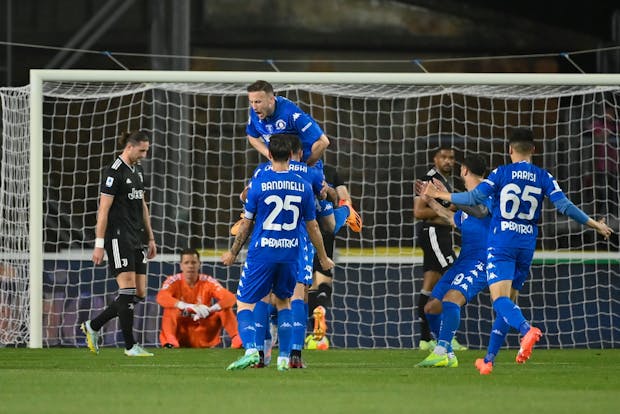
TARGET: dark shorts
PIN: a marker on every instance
(123, 257)
(436, 243)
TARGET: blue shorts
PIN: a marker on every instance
(259, 278)
(306, 261)
(467, 277)
(324, 208)
(509, 264)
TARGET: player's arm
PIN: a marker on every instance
(566, 207)
(318, 149)
(224, 298)
(243, 233)
(421, 209)
(152, 246)
(166, 296)
(105, 203)
(317, 241)
(259, 145)
(444, 214)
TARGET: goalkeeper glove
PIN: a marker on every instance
(202, 311)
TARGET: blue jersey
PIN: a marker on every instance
(474, 232)
(287, 118)
(518, 191)
(279, 203)
(313, 175)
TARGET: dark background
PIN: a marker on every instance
(322, 35)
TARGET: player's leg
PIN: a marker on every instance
(247, 331)
(299, 302)
(229, 323)
(254, 284)
(283, 288)
(319, 294)
(206, 333)
(436, 244)
(261, 325)
(169, 328)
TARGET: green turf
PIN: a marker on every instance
(337, 381)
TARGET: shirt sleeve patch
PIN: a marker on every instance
(109, 181)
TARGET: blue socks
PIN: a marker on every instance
(299, 311)
(285, 332)
(450, 321)
(434, 322)
(247, 331)
(511, 313)
(261, 323)
(498, 336)
(340, 215)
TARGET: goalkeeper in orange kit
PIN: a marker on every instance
(196, 308)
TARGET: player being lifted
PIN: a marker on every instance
(517, 190)
(281, 203)
(270, 114)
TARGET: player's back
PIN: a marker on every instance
(518, 193)
(279, 203)
(474, 234)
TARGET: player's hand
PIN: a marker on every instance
(98, 255)
(327, 263)
(439, 185)
(603, 229)
(202, 311)
(228, 258)
(419, 187)
(430, 190)
(152, 250)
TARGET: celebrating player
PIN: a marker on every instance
(270, 114)
(466, 277)
(517, 190)
(278, 200)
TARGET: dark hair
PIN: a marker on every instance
(280, 147)
(261, 86)
(476, 164)
(444, 147)
(189, 251)
(522, 140)
(295, 142)
(132, 137)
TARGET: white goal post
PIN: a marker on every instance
(481, 86)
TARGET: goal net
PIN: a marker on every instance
(382, 128)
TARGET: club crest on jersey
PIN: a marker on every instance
(280, 124)
(136, 194)
(109, 181)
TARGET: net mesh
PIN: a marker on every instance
(382, 137)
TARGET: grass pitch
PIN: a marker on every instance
(337, 381)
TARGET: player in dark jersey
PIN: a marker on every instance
(123, 229)
(517, 190)
(280, 202)
(435, 238)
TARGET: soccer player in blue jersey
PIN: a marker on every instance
(271, 114)
(466, 277)
(280, 202)
(517, 190)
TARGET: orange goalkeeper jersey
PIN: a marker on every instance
(206, 289)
